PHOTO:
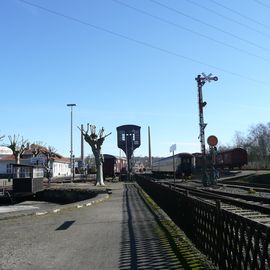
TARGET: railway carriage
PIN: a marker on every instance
(183, 165)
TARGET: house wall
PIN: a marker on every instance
(60, 169)
(4, 168)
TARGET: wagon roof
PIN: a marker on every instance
(239, 149)
(184, 154)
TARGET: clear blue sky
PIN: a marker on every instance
(133, 64)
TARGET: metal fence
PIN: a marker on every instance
(229, 240)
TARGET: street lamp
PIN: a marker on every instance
(71, 140)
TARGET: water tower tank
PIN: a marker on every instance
(128, 139)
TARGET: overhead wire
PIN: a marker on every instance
(190, 30)
(230, 19)
(261, 3)
(209, 25)
(240, 14)
(143, 43)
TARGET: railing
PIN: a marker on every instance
(230, 241)
(22, 172)
(2, 190)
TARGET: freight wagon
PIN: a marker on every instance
(233, 158)
(114, 166)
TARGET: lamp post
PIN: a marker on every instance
(71, 140)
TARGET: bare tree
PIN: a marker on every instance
(37, 148)
(95, 141)
(240, 139)
(49, 153)
(222, 147)
(257, 144)
(18, 146)
(260, 148)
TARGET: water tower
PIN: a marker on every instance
(128, 139)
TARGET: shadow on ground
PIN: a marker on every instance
(144, 244)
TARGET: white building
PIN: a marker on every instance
(138, 167)
(60, 166)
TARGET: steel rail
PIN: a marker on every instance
(226, 199)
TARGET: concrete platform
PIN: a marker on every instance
(29, 207)
(121, 230)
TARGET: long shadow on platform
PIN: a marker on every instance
(143, 245)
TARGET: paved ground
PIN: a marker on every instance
(119, 233)
(39, 207)
(33, 206)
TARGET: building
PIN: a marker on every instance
(54, 163)
(138, 167)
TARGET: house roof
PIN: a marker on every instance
(26, 157)
(7, 158)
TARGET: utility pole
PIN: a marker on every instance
(71, 141)
(172, 149)
(82, 147)
(149, 149)
(201, 79)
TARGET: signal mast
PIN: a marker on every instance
(201, 79)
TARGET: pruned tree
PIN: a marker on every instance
(18, 145)
(2, 137)
(37, 148)
(95, 141)
(49, 153)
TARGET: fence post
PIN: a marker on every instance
(219, 249)
(218, 205)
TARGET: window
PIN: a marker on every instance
(9, 168)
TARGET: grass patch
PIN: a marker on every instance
(188, 254)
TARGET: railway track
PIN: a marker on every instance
(245, 184)
(233, 232)
(250, 207)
